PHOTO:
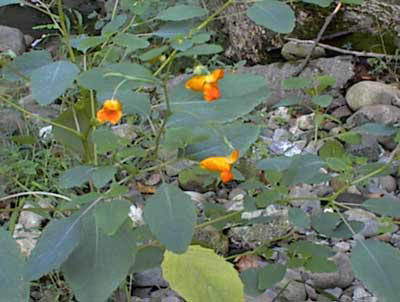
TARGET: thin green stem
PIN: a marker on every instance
(43, 119)
(114, 11)
(93, 109)
(219, 219)
(168, 113)
(64, 31)
(16, 195)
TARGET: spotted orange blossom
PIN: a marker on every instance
(208, 84)
(110, 112)
(222, 165)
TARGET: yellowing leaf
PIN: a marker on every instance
(200, 275)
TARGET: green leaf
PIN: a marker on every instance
(318, 264)
(324, 82)
(175, 29)
(108, 78)
(52, 80)
(193, 275)
(240, 135)
(384, 206)
(202, 49)
(289, 101)
(58, 240)
(350, 137)
(330, 224)
(13, 287)
(171, 216)
(84, 43)
(322, 100)
(299, 218)
(332, 148)
(304, 168)
(105, 140)
(240, 94)
(322, 3)
(76, 117)
(100, 263)
(309, 249)
(130, 41)
(181, 12)
(249, 278)
(111, 215)
(180, 137)
(148, 257)
(270, 275)
(75, 176)
(274, 15)
(102, 175)
(26, 64)
(114, 25)
(376, 129)
(377, 265)
(296, 83)
(153, 53)
(279, 163)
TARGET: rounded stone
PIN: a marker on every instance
(372, 93)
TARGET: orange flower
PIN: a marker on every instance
(110, 112)
(208, 84)
(222, 165)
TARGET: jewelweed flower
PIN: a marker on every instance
(110, 112)
(208, 84)
(222, 165)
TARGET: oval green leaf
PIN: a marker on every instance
(171, 216)
(274, 15)
(201, 275)
(181, 12)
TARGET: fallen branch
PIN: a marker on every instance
(321, 32)
(345, 51)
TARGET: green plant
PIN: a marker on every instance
(90, 239)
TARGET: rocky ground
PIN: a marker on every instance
(287, 134)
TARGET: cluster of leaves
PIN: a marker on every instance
(95, 246)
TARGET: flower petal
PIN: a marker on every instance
(110, 112)
(226, 176)
(196, 83)
(211, 92)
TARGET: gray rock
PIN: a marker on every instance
(150, 277)
(372, 93)
(29, 103)
(336, 292)
(306, 121)
(341, 112)
(340, 67)
(126, 131)
(360, 293)
(384, 114)
(368, 148)
(395, 240)
(237, 194)
(345, 299)
(10, 121)
(342, 246)
(311, 292)
(292, 51)
(342, 278)
(295, 291)
(388, 183)
(11, 39)
(310, 206)
(254, 235)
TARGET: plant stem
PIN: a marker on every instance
(165, 120)
(43, 119)
(35, 193)
(93, 109)
(64, 31)
(114, 11)
(219, 219)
